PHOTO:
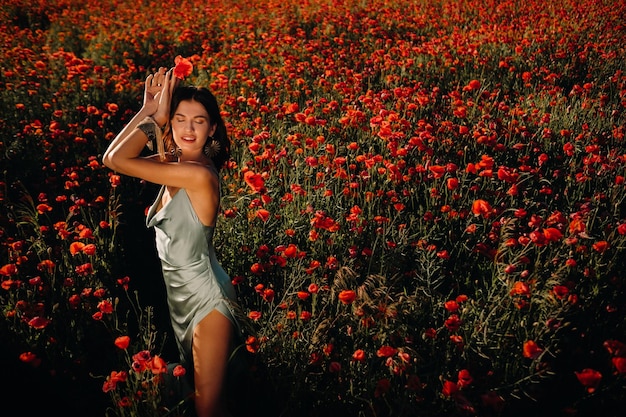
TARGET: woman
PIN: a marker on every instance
(192, 149)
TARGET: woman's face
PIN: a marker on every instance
(191, 126)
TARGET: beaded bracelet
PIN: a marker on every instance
(152, 130)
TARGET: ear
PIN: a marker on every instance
(212, 130)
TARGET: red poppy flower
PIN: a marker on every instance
(347, 296)
(481, 208)
(278, 260)
(76, 247)
(474, 85)
(263, 214)
(105, 307)
(531, 350)
(111, 382)
(429, 334)
(552, 234)
(465, 378)
(252, 344)
(291, 251)
(43, 208)
(39, 323)
(600, 246)
(386, 351)
(589, 378)
(28, 357)
(359, 355)
(620, 364)
(451, 306)
(520, 288)
(438, 171)
(268, 295)
(85, 232)
(452, 183)
(125, 402)
(255, 181)
(560, 291)
(84, 269)
(123, 282)
(122, 342)
(115, 180)
(334, 367)
(399, 206)
(577, 226)
(46, 265)
(179, 370)
(615, 347)
(507, 175)
(453, 323)
(158, 365)
(74, 301)
(449, 388)
(457, 340)
(322, 221)
(183, 67)
(8, 270)
(254, 315)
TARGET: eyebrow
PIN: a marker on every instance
(194, 117)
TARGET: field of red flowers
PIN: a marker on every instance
(424, 213)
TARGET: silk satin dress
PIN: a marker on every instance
(195, 282)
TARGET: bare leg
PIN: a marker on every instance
(211, 348)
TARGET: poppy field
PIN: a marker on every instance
(424, 213)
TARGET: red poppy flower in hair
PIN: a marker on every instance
(183, 67)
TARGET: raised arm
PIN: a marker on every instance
(124, 152)
(158, 89)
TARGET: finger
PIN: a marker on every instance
(166, 92)
(157, 80)
(173, 82)
(163, 81)
(168, 83)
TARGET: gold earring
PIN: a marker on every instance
(212, 147)
(176, 151)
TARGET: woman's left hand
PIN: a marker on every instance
(152, 91)
(158, 94)
(165, 85)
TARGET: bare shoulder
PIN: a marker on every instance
(204, 194)
(201, 177)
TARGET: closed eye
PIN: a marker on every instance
(198, 120)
